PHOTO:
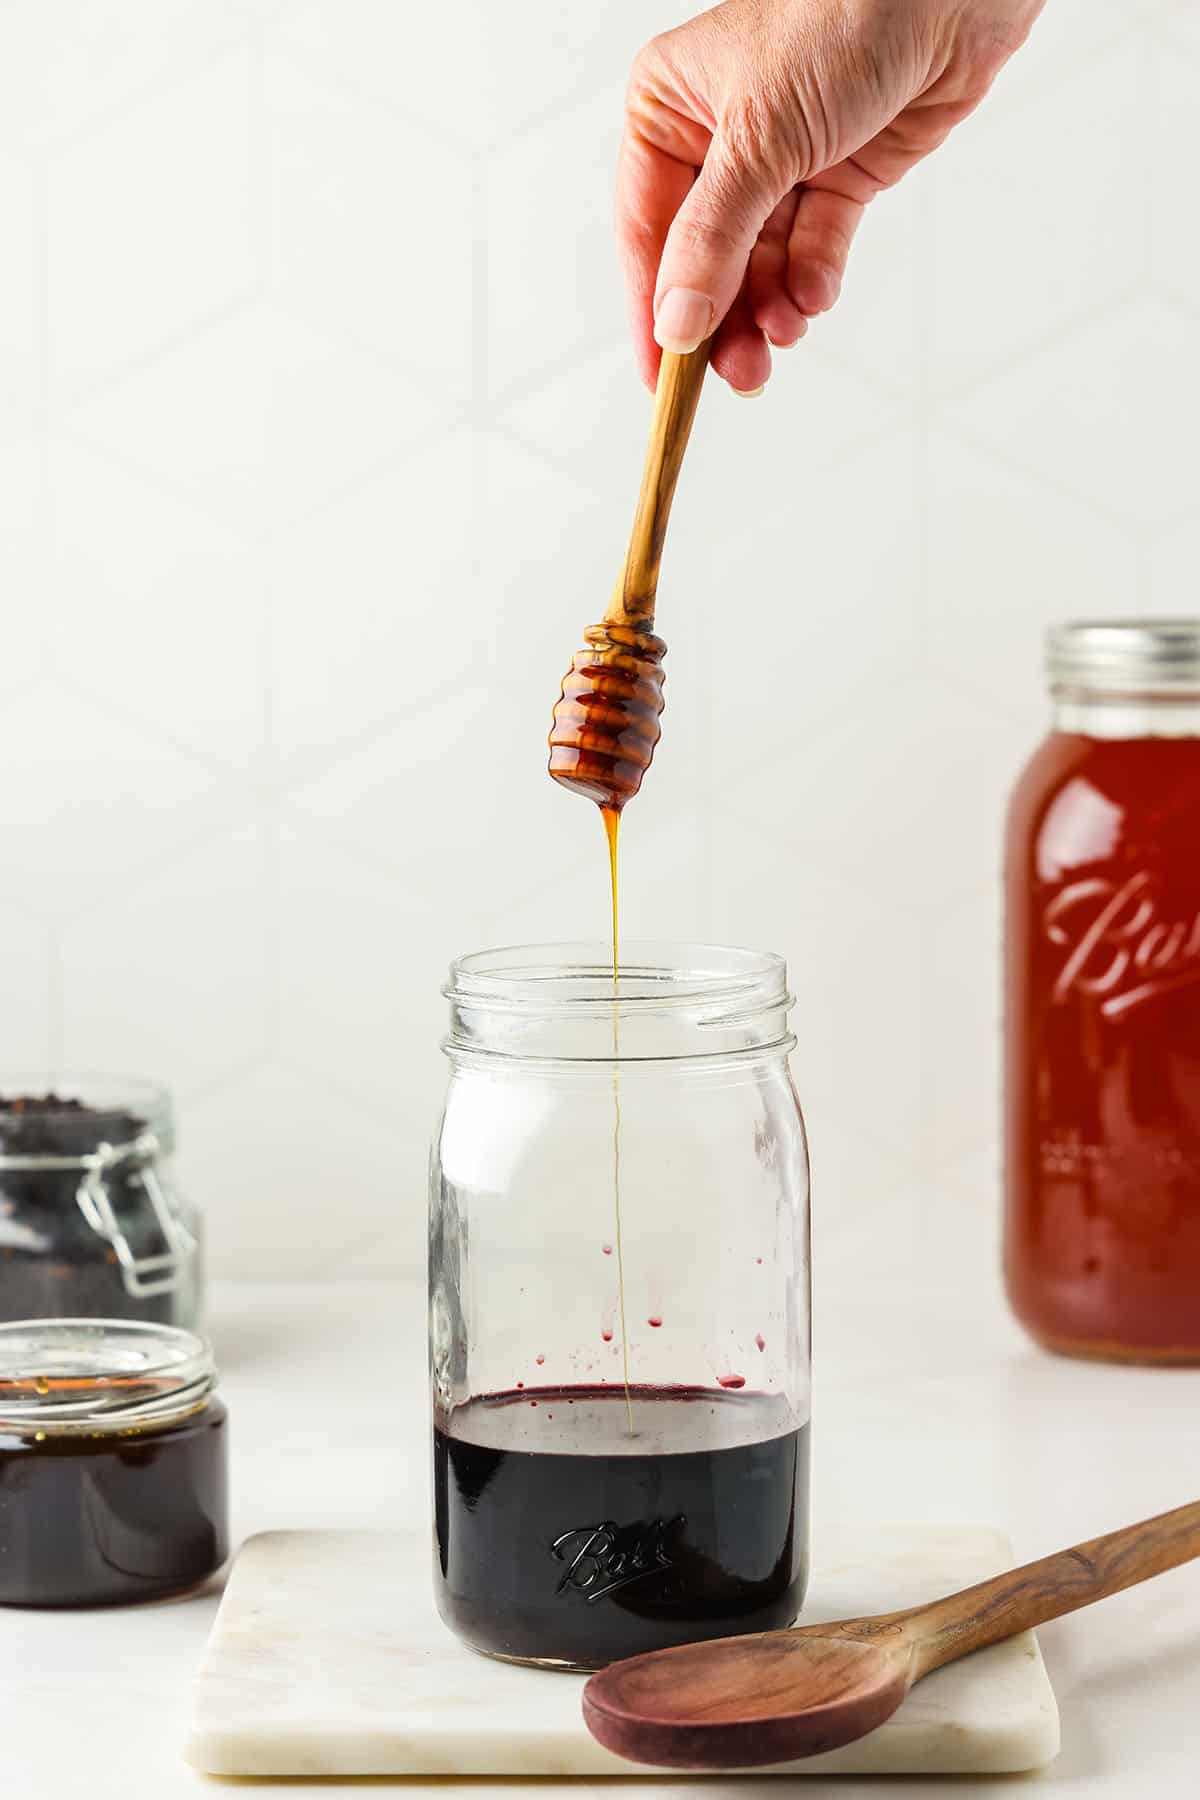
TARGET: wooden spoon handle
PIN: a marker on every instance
(1047, 1589)
(680, 379)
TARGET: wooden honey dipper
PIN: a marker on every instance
(606, 720)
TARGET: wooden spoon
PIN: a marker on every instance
(739, 1703)
(606, 720)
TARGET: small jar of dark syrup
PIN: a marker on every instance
(112, 1462)
(619, 1303)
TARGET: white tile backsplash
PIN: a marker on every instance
(319, 440)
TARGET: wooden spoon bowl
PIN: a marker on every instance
(691, 1709)
(775, 1696)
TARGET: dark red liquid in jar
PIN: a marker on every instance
(1102, 1238)
(97, 1519)
(561, 1538)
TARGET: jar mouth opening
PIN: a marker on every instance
(563, 980)
(61, 1377)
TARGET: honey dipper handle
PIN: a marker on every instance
(1047, 1589)
(680, 379)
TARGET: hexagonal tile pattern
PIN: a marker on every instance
(1106, 414)
(69, 66)
(90, 801)
(363, 596)
(904, 795)
(1006, 554)
(293, 1178)
(147, 570)
(259, 418)
(193, 942)
(26, 981)
(593, 418)
(477, 74)
(777, 589)
(319, 441)
(1014, 259)
(363, 954)
(552, 284)
(1173, 560)
(352, 244)
(856, 966)
(23, 560)
(1066, 35)
(877, 327)
(150, 224)
(1173, 78)
(20, 322)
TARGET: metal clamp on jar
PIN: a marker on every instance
(91, 1222)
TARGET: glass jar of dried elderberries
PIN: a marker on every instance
(91, 1222)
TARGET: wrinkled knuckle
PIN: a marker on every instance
(646, 66)
(706, 235)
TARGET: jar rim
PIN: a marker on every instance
(654, 975)
(73, 1376)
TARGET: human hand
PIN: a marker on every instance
(754, 137)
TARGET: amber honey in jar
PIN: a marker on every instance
(112, 1462)
(1102, 1240)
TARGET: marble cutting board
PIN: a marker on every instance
(327, 1658)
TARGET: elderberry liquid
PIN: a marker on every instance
(563, 1538)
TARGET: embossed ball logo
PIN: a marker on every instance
(1119, 948)
(602, 1558)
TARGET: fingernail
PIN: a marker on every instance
(682, 319)
(749, 393)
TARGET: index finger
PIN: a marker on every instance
(651, 187)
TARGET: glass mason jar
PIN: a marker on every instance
(1102, 1238)
(112, 1462)
(92, 1224)
(619, 1303)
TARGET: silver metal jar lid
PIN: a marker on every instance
(1125, 656)
(85, 1376)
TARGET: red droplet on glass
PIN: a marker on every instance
(607, 1249)
(539, 1360)
(654, 1320)
(732, 1381)
(760, 1340)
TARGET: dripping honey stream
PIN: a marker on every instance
(612, 829)
(606, 722)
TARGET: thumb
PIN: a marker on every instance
(708, 247)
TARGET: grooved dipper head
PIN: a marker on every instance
(606, 720)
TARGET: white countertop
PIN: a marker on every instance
(928, 1406)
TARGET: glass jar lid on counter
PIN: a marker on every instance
(91, 1222)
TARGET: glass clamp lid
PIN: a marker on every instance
(63, 1376)
(117, 1155)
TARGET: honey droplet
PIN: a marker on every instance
(41, 1384)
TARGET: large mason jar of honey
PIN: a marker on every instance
(1102, 1234)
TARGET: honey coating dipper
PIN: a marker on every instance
(606, 722)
